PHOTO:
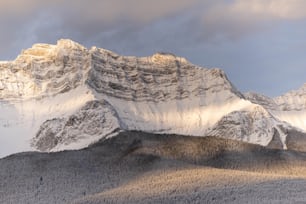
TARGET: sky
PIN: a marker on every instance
(260, 44)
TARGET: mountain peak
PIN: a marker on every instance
(37, 50)
(164, 57)
(44, 70)
(47, 51)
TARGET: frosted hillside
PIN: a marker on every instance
(65, 96)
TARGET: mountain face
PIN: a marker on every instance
(65, 96)
(160, 78)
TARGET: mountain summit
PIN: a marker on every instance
(65, 96)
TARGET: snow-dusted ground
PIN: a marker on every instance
(145, 168)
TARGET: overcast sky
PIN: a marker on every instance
(260, 44)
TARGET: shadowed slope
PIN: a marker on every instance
(114, 169)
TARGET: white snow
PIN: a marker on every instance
(20, 120)
(295, 118)
(185, 116)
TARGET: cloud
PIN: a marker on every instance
(209, 20)
(25, 22)
(281, 9)
(239, 18)
(259, 9)
(93, 10)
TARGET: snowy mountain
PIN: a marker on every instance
(65, 96)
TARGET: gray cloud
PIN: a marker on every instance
(30, 21)
(282, 9)
(96, 10)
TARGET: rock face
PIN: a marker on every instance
(44, 70)
(65, 96)
(161, 77)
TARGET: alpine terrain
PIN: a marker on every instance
(153, 129)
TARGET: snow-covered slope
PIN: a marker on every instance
(64, 96)
(20, 120)
(293, 107)
(290, 107)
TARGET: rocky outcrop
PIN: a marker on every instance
(96, 120)
(293, 101)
